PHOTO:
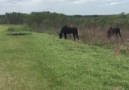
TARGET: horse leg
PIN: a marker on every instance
(116, 34)
(119, 34)
(65, 35)
(109, 35)
(77, 36)
(74, 37)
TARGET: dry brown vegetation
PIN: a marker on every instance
(98, 36)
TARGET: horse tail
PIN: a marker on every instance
(77, 33)
(77, 30)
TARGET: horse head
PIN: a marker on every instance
(61, 33)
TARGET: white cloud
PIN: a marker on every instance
(111, 3)
(108, 2)
(82, 1)
(65, 6)
(114, 3)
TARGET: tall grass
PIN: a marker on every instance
(96, 36)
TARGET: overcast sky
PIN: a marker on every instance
(69, 7)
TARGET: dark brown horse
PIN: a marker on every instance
(113, 31)
(69, 30)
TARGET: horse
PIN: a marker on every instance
(113, 31)
(69, 30)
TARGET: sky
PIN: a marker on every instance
(68, 7)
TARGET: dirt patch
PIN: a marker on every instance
(18, 33)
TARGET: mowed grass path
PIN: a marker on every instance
(44, 62)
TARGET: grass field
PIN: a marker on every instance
(43, 62)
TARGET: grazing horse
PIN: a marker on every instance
(111, 31)
(69, 30)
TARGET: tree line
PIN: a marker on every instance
(55, 20)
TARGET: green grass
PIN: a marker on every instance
(44, 62)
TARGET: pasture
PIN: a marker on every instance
(44, 62)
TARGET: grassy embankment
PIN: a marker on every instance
(44, 62)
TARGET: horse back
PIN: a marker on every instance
(70, 30)
(117, 30)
